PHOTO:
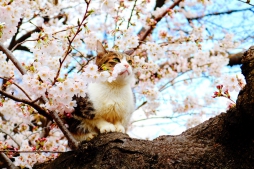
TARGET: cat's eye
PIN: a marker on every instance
(112, 63)
(130, 62)
(117, 60)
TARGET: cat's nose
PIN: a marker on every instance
(126, 65)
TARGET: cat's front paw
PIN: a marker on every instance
(90, 136)
(107, 128)
(119, 128)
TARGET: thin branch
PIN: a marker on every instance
(7, 79)
(142, 104)
(36, 151)
(39, 109)
(88, 61)
(22, 90)
(146, 32)
(13, 39)
(19, 45)
(72, 142)
(221, 13)
(70, 42)
(246, 2)
(129, 20)
(13, 59)
(166, 84)
(9, 163)
(10, 137)
(150, 118)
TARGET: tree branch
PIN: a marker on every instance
(235, 59)
(31, 103)
(145, 33)
(72, 142)
(159, 3)
(10, 137)
(219, 13)
(9, 163)
(13, 59)
(53, 115)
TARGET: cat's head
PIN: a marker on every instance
(107, 60)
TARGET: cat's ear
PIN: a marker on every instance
(100, 49)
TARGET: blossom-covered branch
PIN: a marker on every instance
(146, 32)
(29, 102)
(13, 59)
(68, 50)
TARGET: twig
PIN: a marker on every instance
(33, 101)
(8, 161)
(142, 104)
(162, 117)
(13, 39)
(72, 142)
(18, 87)
(129, 20)
(39, 109)
(88, 61)
(10, 137)
(246, 2)
(150, 29)
(36, 151)
(150, 118)
(70, 42)
(13, 59)
(20, 43)
(54, 115)
(22, 90)
(220, 13)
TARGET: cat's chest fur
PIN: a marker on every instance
(112, 102)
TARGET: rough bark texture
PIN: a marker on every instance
(225, 141)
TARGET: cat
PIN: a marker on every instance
(108, 106)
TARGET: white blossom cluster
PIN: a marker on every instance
(7, 68)
(127, 41)
(9, 18)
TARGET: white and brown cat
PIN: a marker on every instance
(108, 105)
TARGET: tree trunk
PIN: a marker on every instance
(225, 141)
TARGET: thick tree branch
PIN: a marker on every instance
(235, 59)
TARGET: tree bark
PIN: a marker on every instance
(225, 141)
(235, 59)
